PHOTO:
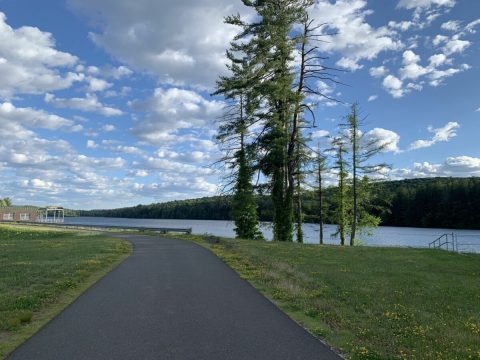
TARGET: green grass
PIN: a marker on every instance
(371, 303)
(42, 270)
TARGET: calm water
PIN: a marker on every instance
(382, 236)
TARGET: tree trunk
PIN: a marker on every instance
(320, 202)
(354, 127)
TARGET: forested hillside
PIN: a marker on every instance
(432, 202)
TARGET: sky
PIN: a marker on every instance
(106, 103)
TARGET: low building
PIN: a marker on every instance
(19, 213)
(49, 214)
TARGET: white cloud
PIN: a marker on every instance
(459, 166)
(402, 25)
(378, 71)
(443, 134)
(91, 144)
(409, 57)
(89, 103)
(148, 37)
(413, 75)
(455, 45)
(372, 98)
(140, 173)
(394, 86)
(116, 73)
(424, 4)
(355, 40)
(174, 188)
(319, 134)
(29, 62)
(127, 149)
(168, 165)
(470, 27)
(108, 128)
(437, 60)
(385, 138)
(452, 25)
(349, 64)
(170, 110)
(32, 118)
(439, 39)
(411, 70)
(96, 84)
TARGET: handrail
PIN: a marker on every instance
(162, 230)
(447, 242)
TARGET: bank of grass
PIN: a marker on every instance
(42, 270)
(370, 302)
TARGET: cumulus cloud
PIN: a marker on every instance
(10, 114)
(470, 27)
(169, 165)
(385, 138)
(30, 63)
(108, 128)
(139, 173)
(413, 75)
(437, 60)
(378, 71)
(372, 98)
(319, 134)
(356, 40)
(401, 25)
(394, 86)
(459, 166)
(132, 150)
(174, 188)
(89, 103)
(452, 25)
(173, 109)
(424, 4)
(96, 84)
(442, 134)
(147, 36)
(411, 69)
(91, 144)
(456, 45)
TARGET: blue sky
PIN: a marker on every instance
(105, 103)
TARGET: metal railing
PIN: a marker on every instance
(447, 241)
(162, 230)
(458, 243)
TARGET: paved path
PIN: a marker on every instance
(172, 299)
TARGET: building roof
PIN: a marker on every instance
(18, 208)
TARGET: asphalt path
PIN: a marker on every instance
(172, 299)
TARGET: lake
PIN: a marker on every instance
(381, 236)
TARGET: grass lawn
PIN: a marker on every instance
(369, 302)
(42, 270)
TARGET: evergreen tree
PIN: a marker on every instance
(321, 168)
(244, 206)
(361, 151)
(233, 133)
(342, 200)
(270, 43)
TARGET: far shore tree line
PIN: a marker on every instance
(275, 71)
(451, 203)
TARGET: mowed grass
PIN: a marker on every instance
(371, 303)
(43, 270)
